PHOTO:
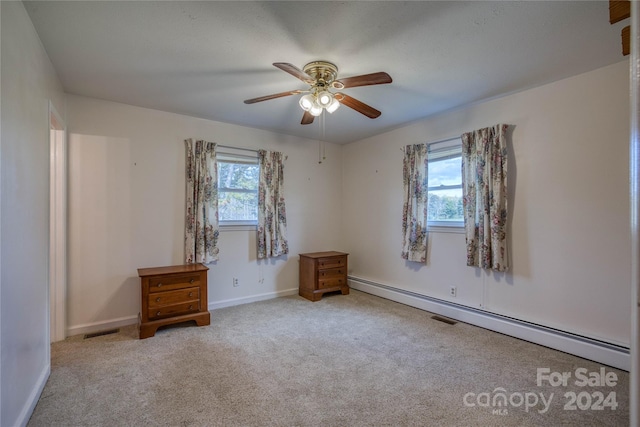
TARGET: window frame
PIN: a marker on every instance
(439, 151)
(227, 155)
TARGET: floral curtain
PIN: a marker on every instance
(414, 213)
(201, 219)
(484, 191)
(272, 221)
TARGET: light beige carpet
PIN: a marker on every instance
(353, 360)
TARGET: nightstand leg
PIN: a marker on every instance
(147, 331)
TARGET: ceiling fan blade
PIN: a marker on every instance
(363, 80)
(294, 71)
(307, 118)
(274, 96)
(359, 106)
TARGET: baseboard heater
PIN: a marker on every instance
(578, 345)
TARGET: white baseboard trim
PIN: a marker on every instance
(587, 348)
(89, 328)
(253, 298)
(34, 396)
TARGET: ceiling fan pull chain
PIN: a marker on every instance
(321, 144)
(321, 139)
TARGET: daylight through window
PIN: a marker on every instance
(237, 189)
(445, 184)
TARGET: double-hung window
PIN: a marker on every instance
(445, 184)
(238, 176)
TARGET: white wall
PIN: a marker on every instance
(569, 210)
(28, 82)
(126, 209)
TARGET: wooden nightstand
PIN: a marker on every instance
(173, 294)
(322, 272)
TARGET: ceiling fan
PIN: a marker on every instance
(321, 77)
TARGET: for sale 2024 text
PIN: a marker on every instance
(582, 377)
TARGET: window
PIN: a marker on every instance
(445, 184)
(238, 177)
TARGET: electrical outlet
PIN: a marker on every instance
(453, 291)
(235, 282)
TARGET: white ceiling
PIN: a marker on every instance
(204, 58)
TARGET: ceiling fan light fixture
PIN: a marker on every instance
(315, 110)
(324, 98)
(333, 106)
(306, 102)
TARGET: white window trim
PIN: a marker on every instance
(231, 155)
(443, 150)
(238, 225)
(456, 227)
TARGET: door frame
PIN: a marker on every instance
(57, 225)
(634, 175)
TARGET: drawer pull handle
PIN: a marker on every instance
(191, 307)
(159, 284)
(192, 280)
(190, 294)
(158, 299)
(158, 314)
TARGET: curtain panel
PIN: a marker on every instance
(484, 191)
(414, 212)
(272, 221)
(201, 213)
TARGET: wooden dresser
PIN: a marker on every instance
(173, 294)
(322, 272)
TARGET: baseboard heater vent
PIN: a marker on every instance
(101, 333)
(444, 320)
(607, 353)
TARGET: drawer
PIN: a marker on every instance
(159, 299)
(332, 262)
(167, 283)
(331, 283)
(174, 310)
(332, 273)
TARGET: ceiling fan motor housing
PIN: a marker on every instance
(323, 72)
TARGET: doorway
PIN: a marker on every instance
(57, 226)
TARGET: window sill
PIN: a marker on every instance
(456, 229)
(237, 226)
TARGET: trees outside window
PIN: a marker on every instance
(238, 191)
(445, 185)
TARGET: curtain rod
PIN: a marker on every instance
(286, 157)
(438, 142)
(444, 140)
(237, 148)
